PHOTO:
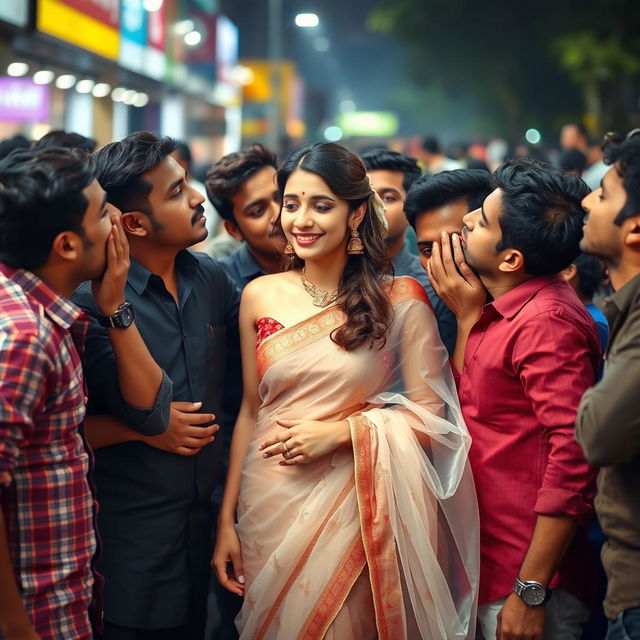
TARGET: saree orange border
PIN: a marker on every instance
(302, 334)
(297, 570)
(336, 592)
(377, 535)
(405, 288)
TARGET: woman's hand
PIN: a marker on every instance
(302, 441)
(227, 559)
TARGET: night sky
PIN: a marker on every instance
(360, 65)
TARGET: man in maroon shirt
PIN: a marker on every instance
(526, 351)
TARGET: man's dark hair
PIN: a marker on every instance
(59, 138)
(591, 274)
(432, 144)
(625, 154)
(541, 214)
(572, 160)
(432, 191)
(226, 177)
(184, 151)
(119, 167)
(10, 144)
(41, 195)
(384, 160)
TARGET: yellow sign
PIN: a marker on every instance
(63, 21)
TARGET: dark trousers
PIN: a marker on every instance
(626, 626)
(193, 630)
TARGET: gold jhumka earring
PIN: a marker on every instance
(355, 246)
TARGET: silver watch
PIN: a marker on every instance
(531, 592)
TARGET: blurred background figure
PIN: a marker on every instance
(575, 136)
(572, 161)
(476, 157)
(182, 155)
(70, 140)
(586, 275)
(434, 158)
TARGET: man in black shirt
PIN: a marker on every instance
(156, 519)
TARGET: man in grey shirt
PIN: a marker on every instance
(608, 421)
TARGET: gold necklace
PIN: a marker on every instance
(321, 297)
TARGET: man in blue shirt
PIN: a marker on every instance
(241, 186)
(437, 203)
(392, 174)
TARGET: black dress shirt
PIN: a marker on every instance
(155, 517)
(242, 267)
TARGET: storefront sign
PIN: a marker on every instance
(156, 43)
(369, 123)
(133, 35)
(90, 24)
(22, 100)
(226, 49)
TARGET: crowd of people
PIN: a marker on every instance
(380, 403)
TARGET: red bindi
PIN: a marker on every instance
(303, 193)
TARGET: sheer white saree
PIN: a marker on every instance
(378, 541)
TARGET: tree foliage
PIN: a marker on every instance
(524, 63)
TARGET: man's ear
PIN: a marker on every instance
(632, 232)
(136, 223)
(67, 246)
(512, 261)
(569, 273)
(233, 230)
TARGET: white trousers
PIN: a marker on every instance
(565, 617)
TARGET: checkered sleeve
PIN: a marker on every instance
(24, 367)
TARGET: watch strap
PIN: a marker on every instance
(114, 321)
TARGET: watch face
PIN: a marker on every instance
(533, 594)
(126, 317)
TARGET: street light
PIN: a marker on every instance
(306, 20)
(152, 5)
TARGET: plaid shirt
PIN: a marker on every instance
(48, 506)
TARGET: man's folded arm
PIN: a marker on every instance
(125, 380)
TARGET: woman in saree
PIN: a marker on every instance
(348, 475)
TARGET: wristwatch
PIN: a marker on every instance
(531, 592)
(121, 319)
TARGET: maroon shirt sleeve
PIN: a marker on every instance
(556, 357)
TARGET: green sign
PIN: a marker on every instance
(368, 123)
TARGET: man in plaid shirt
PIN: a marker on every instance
(56, 231)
